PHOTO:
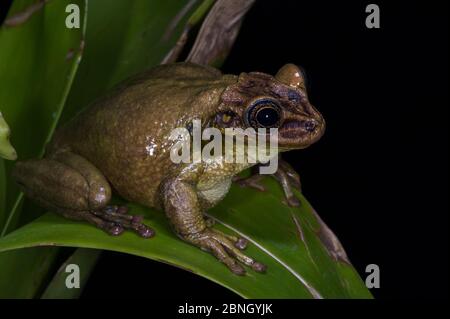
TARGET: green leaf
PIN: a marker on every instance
(286, 239)
(85, 259)
(38, 60)
(23, 272)
(139, 42)
(122, 39)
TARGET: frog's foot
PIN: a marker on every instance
(239, 242)
(286, 176)
(289, 180)
(252, 181)
(224, 248)
(115, 219)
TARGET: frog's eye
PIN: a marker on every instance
(226, 118)
(264, 113)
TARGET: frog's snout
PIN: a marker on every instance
(309, 125)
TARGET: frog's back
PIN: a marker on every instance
(126, 133)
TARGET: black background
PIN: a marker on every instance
(379, 176)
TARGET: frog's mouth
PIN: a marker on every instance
(299, 132)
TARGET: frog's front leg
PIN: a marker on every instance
(289, 180)
(183, 208)
(286, 176)
(68, 184)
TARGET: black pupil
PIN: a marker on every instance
(267, 116)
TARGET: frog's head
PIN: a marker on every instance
(260, 100)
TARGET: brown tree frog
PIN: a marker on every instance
(121, 142)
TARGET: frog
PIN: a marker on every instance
(121, 144)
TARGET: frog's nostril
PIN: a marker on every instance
(310, 125)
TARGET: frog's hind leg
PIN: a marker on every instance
(68, 184)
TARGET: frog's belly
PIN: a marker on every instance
(215, 194)
(216, 180)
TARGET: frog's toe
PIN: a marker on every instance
(114, 220)
(253, 181)
(225, 250)
(219, 252)
(240, 256)
(114, 230)
(238, 242)
(241, 243)
(292, 201)
(291, 174)
(289, 180)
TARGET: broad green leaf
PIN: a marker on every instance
(23, 272)
(28, 45)
(122, 39)
(38, 59)
(144, 32)
(85, 259)
(286, 239)
(198, 15)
